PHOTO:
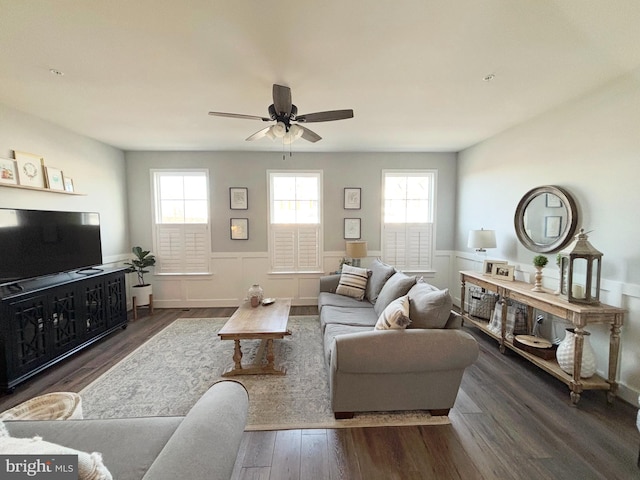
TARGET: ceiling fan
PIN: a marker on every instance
(283, 112)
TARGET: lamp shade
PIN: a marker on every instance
(481, 239)
(357, 249)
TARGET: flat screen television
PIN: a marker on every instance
(35, 243)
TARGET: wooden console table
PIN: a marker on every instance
(579, 315)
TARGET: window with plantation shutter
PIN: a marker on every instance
(408, 225)
(182, 235)
(295, 223)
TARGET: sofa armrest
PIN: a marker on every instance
(403, 351)
(206, 443)
(329, 283)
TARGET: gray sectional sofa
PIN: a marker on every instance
(201, 445)
(417, 368)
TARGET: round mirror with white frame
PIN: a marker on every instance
(546, 219)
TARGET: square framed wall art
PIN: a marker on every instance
(30, 169)
(238, 198)
(239, 229)
(8, 173)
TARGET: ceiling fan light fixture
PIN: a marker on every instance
(294, 133)
(279, 129)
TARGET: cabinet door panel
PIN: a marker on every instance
(95, 321)
(29, 332)
(64, 321)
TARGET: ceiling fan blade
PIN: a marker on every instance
(282, 99)
(239, 115)
(258, 135)
(325, 116)
(309, 135)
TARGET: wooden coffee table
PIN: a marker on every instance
(264, 322)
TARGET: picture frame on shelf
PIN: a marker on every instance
(55, 180)
(487, 268)
(30, 169)
(503, 271)
(8, 172)
(352, 228)
(238, 198)
(352, 198)
(239, 229)
(68, 184)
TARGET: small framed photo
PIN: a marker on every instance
(487, 269)
(54, 179)
(68, 184)
(238, 198)
(351, 228)
(552, 226)
(502, 271)
(30, 169)
(8, 173)
(552, 201)
(352, 198)
(239, 229)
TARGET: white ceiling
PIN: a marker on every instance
(142, 74)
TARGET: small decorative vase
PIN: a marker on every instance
(566, 350)
(255, 295)
(537, 287)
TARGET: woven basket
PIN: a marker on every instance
(480, 303)
(51, 406)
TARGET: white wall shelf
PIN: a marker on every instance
(38, 189)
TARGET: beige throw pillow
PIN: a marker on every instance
(90, 466)
(353, 282)
(395, 316)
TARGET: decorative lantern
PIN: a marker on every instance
(577, 263)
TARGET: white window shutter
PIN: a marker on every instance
(283, 241)
(308, 254)
(182, 248)
(408, 246)
(295, 248)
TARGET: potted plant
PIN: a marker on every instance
(139, 265)
(539, 261)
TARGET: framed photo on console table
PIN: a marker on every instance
(487, 269)
(502, 271)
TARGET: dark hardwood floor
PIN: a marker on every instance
(510, 421)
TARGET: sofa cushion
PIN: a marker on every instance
(353, 282)
(397, 286)
(90, 465)
(335, 300)
(354, 316)
(380, 273)
(395, 316)
(334, 330)
(428, 306)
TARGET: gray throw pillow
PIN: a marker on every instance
(397, 286)
(380, 273)
(429, 307)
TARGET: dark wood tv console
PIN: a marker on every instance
(43, 321)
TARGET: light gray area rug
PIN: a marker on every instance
(167, 374)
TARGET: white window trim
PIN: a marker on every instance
(432, 251)
(319, 268)
(189, 228)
